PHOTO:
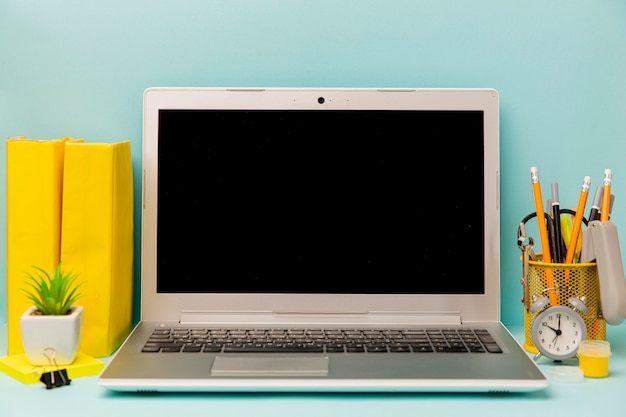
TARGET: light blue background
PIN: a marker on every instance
(78, 68)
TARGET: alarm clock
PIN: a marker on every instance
(558, 330)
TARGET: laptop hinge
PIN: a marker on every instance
(282, 318)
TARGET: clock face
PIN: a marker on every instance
(558, 331)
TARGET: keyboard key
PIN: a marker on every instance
(273, 349)
(321, 341)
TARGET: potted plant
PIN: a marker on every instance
(52, 327)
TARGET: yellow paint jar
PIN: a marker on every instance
(593, 358)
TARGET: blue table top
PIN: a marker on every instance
(591, 397)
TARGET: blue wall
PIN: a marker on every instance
(79, 67)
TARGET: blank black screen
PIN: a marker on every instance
(320, 201)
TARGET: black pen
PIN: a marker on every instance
(594, 214)
(556, 215)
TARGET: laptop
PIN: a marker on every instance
(320, 240)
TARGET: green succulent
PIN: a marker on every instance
(53, 296)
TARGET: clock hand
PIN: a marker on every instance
(553, 329)
(557, 331)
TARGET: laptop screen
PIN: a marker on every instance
(321, 201)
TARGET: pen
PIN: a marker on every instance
(543, 232)
(578, 219)
(606, 196)
(594, 214)
(556, 215)
(551, 232)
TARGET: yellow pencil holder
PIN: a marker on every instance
(580, 279)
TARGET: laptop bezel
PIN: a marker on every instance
(378, 308)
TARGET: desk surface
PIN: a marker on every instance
(592, 397)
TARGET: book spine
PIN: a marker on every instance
(97, 239)
(34, 177)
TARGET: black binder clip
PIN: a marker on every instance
(56, 377)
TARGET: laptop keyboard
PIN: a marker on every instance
(320, 341)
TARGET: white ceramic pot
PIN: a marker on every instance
(49, 339)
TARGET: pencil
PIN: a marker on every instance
(541, 218)
(543, 232)
(606, 196)
(578, 219)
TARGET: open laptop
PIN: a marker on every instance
(321, 239)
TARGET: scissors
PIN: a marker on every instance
(524, 241)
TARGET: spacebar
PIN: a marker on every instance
(273, 349)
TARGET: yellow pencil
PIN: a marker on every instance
(606, 196)
(578, 219)
(543, 232)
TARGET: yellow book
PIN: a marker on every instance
(97, 239)
(34, 176)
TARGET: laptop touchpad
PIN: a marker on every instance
(269, 366)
